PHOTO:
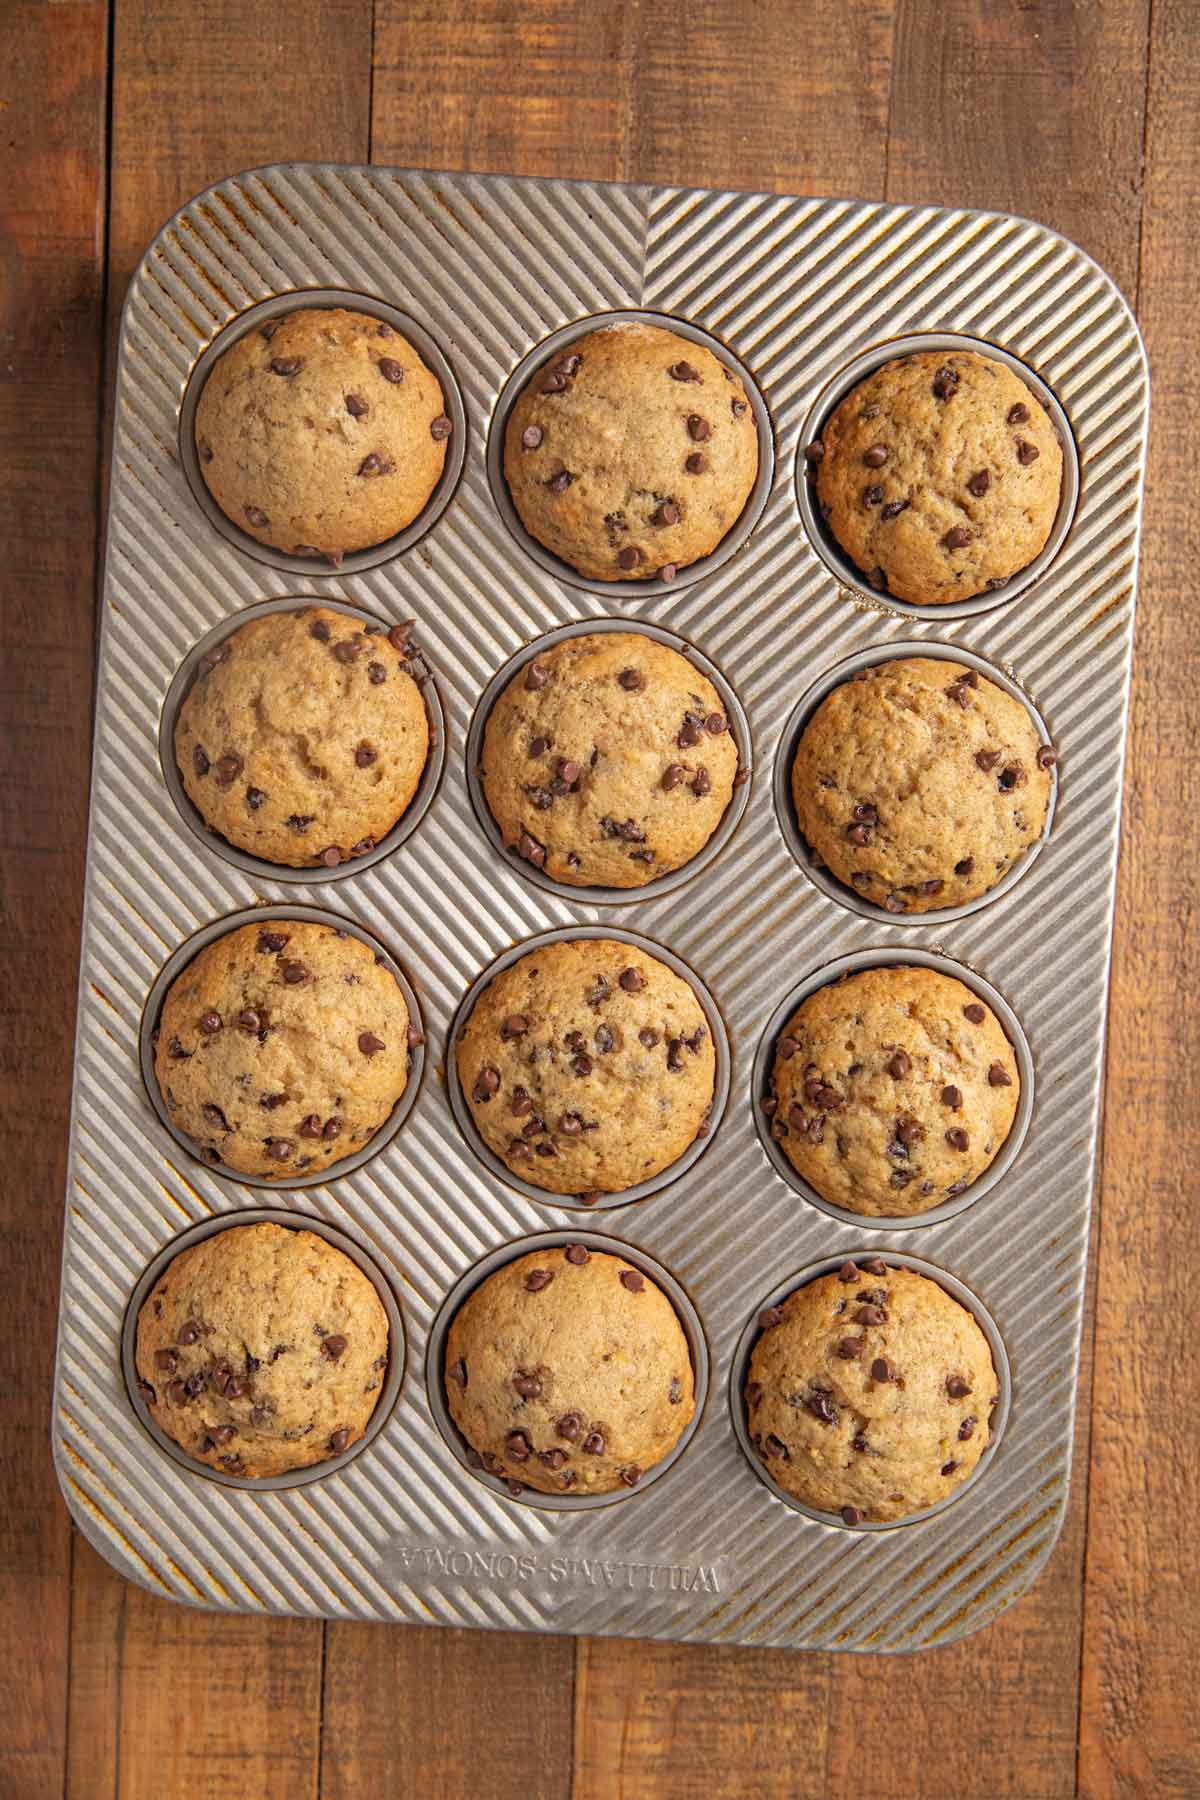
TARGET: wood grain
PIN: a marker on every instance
(51, 262)
(1141, 1650)
(434, 1712)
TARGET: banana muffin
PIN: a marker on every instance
(283, 1046)
(261, 1350)
(608, 760)
(919, 783)
(568, 1371)
(321, 432)
(939, 475)
(632, 453)
(892, 1090)
(870, 1393)
(588, 1067)
(304, 736)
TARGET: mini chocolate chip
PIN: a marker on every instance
(1026, 452)
(979, 483)
(530, 850)
(957, 1138)
(698, 428)
(633, 1280)
(648, 1037)
(514, 1026)
(286, 365)
(570, 1124)
(581, 1065)
(673, 774)
(949, 1468)
(210, 1022)
(850, 1348)
(200, 761)
(147, 1393)
(440, 428)
(965, 867)
(851, 1515)
(772, 1315)
(975, 1012)
(1013, 776)
(894, 508)
(257, 517)
(229, 768)
(577, 1254)
(666, 514)
(531, 437)
(631, 1475)
(339, 1439)
(1047, 756)
(683, 371)
(701, 783)
(631, 980)
(668, 572)
(487, 1082)
(629, 557)
(593, 1444)
(821, 1406)
(569, 1426)
(558, 484)
(738, 407)
(369, 1044)
(696, 464)
(957, 538)
(945, 382)
(882, 1369)
(375, 463)
(632, 680)
(205, 449)
(716, 724)
(1017, 414)
(957, 1386)
(876, 456)
(870, 1315)
(987, 760)
(166, 1359)
(356, 406)
(899, 1065)
(998, 1076)
(537, 1279)
(952, 1097)
(536, 677)
(848, 1272)
(332, 1347)
(872, 495)
(282, 1149)
(294, 973)
(527, 1386)
(815, 451)
(390, 369)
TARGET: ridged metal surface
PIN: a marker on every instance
(794, 288)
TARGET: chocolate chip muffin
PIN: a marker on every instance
(920, 783)
(608, 760)
(588, 1067)
(261, 1350)
(892, 1090)
(282, 1047)
(870, 1393)
(304, 736)
(321, 432)
(568, 1371)
(632, 453)
(939, 475)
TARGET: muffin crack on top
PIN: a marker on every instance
(920, 783)
(631, 453)
(321, 432)
(892, 1090)
(587, 1066)
(262, 1349)
(608, 760)
(567, 1371)
(304, 735)
(870, 1393)
(282, 1047)
(940, 476)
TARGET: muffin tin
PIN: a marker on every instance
(487, 276)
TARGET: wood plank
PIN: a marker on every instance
(1141, 1652)
(52, 114)
(445, 1712)
(207, 1704)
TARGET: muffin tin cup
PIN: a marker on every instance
(793, 731)
(187, 952)
(260, 866)
(662, 884)
(626, 587)
(739, 1373)
(854, 964)
(841, 566)
(355, 562)
(389, 1392)
(435, 1352)
(642, 1189)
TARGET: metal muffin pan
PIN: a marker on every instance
(355, 562)
(826, 545)
(789, 743)
(186, 953)
(641, 1190)
(900, 958)
(389, 1391)
(662, 884)
(689, 573)
(212, 840)
(435, 1373)
(739, 1374)
(795, 291)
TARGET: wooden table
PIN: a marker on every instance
(1086, 116)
